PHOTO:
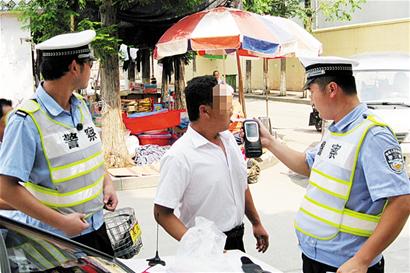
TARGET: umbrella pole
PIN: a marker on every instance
(265, 80)
(240, 86)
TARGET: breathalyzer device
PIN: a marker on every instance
(253, 145)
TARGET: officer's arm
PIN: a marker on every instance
(110, 196)
(21, 199)
(294, 160)
(167, 219)
(391, 223)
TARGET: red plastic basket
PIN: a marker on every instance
(157, 121)
(160, 139)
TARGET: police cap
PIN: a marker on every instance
(316, 67)
(69, 44)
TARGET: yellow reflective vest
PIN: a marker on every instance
(323, 212)
(75, 161)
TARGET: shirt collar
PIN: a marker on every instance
(52, 107)
(347, 120)
(198, 140)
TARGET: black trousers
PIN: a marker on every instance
(97, 239)
(312, 266)
(234, 238)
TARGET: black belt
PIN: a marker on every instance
(237, 231)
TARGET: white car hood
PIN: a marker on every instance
(397, 119)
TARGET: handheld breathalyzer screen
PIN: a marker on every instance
(251, 130)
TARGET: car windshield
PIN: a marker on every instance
(29, 251)
(383, 86)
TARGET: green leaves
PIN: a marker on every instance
(106, 41)
(333, 10)
(339, 9)
(46, 18)
(283, 8)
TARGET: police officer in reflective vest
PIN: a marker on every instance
(358, 197)
(51, 144)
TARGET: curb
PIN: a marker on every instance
(133, 183)
(278, 98)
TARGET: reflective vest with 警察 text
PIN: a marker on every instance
(75, 161)
(323, 212)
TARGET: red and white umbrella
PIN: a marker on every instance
(221, 30)
(298, 42)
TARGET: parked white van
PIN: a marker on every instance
(383, 82)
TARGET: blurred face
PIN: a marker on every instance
(6, 108)
(221, 107)
(320, 99)
(216, 75)
(85, 70)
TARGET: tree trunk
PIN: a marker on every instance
(266, 84)
(282, 77)
(179, 82)
(164, 86)
(115, 150)
(194, 67)
(248, 76)
(145, 63)
(308, 21)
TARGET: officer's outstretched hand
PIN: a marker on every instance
(110, 196)
(74, 224)
(353, 265)
(265, 136)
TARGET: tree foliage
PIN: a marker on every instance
(333, 10)
(283, 8)
(338, 10)
(106, 42)
(47, 18)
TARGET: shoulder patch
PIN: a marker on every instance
(21, 113)
(394, 159)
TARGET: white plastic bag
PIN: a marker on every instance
(131, 142)
(201, 249)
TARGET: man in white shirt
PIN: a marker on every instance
(204, 172)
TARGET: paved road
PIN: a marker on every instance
(277, 196)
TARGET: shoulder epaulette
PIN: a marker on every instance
(21, 113)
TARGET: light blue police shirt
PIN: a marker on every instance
(374, 182)
(21, 153)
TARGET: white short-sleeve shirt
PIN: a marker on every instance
(197, 179)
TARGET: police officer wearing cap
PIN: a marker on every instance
(358, 197)
(51, 161)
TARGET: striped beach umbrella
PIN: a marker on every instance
(221, 30)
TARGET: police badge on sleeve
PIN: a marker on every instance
(394, 159)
